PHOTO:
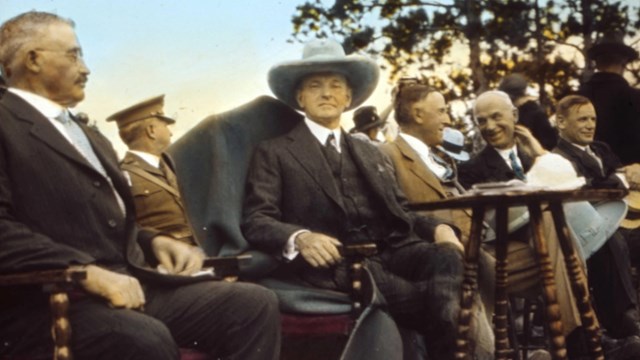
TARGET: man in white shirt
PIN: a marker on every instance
(65, 203)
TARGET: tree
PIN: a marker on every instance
(463, 47)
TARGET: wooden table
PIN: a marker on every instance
(502, 201)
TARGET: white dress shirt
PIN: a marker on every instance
(425, 155)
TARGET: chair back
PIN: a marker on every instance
(211, 163)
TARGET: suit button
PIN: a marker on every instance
(112, 223)
(96, 183)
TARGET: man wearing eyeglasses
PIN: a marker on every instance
(64, 203)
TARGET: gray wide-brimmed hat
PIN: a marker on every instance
(324, 56)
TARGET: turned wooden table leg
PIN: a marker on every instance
(60, 326)
(578, 283)
(503, 349)
(469, 285)
(554, 321)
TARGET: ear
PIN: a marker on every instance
(515, 114)
(32, 61)
(299, 98)
(349, 96)
(416, 115)
(150, 130)
(561, 122)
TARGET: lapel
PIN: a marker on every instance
(415, 164)
(585, 161)
(369, 161)
(495, 167)
(42, 129)
(131, 158)
(107, 156)
(527, 161)
(305, 148)
(135, 164)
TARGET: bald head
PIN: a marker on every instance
(496, 118)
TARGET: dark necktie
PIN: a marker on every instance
(332, 154)
(515, 165)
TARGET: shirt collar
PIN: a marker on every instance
(321, 133)
(416, 144)
(504, 154)
(45, 106)
(581, 147)
(148, 158)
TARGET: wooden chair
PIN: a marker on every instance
(211, 164)
(56, 283)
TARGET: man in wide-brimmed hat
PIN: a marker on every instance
(317, 188)
(617, 104)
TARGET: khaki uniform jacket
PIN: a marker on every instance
(157, 199)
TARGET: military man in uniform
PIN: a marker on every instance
(145, 130)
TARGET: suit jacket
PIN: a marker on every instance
(420, 184)
(618, 108)
(290, 188)
(588, 167)
(157, 199)
(489, 166)
(56, 209)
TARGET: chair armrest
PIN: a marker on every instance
(361, 293)
(360, 250)
(44, 277)
(226, 266)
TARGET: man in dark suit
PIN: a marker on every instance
(509, 154)
(617, 104)
(145, 130)
(65, 203)
(316, 189)
(576, 119)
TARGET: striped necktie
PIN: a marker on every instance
(515, 165)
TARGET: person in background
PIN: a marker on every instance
(530, 113)
(617, 104)
(367, 123)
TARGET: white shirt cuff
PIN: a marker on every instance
(623, 179)
(290, 251)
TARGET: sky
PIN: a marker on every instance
(206, 56)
